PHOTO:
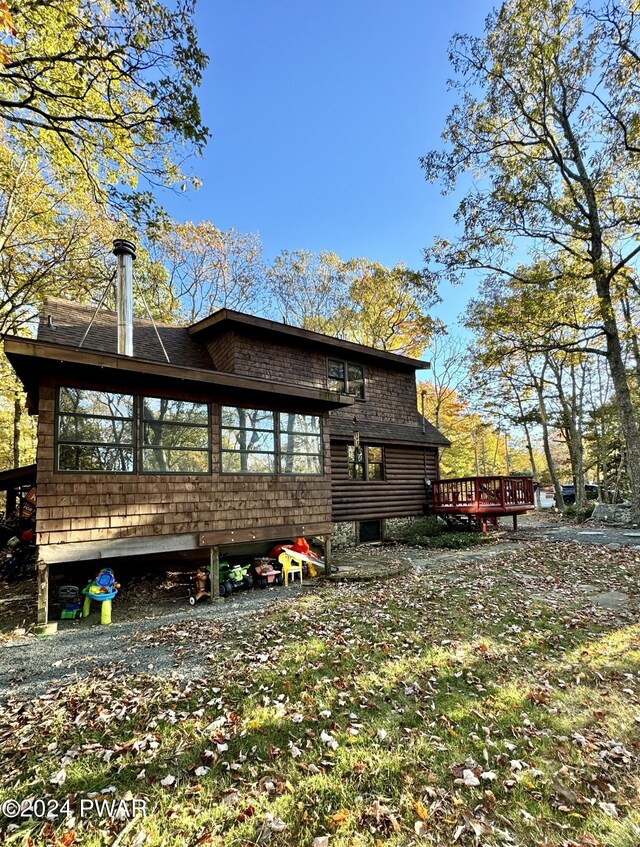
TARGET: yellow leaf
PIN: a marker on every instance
(340, 817)
(421, 811)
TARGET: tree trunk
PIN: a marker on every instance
(546, 443)
(627, 412)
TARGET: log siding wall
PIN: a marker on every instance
(401, 494)
(76, 507)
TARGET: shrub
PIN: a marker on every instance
(415, 530)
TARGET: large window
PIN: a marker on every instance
(95, 431)
(300, 444)
(366, 463)
(257, 441)
(346, 377)
(248, 441)
(175, 436)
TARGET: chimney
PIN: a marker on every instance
(125, 252)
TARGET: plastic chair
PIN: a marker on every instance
(290, 567)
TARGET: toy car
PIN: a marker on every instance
(264, 573)
(234, 578)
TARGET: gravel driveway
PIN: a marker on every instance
(31, 665)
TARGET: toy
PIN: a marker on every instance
(234, 578)
(103, 588)
(265, 574)
(198, 588)
(70, 596)
(296, 558)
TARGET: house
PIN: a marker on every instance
(235, 430)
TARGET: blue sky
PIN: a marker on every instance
(318, 114)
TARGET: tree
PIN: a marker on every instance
(50, 241)
(358, 300)
(209, 268)
(103, 93)
(449, 360)
(548, 122)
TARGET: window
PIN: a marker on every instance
(346, 378)
(300, 444)
(94, 431)
(175, 436)
(257, 441)
(365, 463)
(248, 441)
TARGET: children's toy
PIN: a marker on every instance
(70, 596)
(198, 587)
(234, 578)
(297, 555)
(103, 588)
(290, 565)
(265, 574)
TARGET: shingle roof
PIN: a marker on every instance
(71, 320)
(383, 431)
(225, 319)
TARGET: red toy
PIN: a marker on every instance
(265, 574)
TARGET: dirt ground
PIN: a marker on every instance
(149, 609)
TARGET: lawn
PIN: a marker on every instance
(486, 702)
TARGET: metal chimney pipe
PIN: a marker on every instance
(125, 252)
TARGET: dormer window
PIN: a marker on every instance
(346, 377)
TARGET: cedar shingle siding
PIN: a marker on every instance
(99, 507)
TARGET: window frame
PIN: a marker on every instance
(141, 420)
(282, 454)
(277, 453)
(273, 453)
(57, 441)
(345, 370)
(365, 463)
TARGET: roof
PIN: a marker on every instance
(25, 475)
(31, 358)
(382, 431)
(70, 321)
(226, 319)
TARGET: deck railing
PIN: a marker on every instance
(483, 492)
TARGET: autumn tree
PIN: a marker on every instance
(104, 93)
(548, 123)
(209, 268)
(358, 300)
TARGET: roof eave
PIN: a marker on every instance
(226, 316)
(23, 352)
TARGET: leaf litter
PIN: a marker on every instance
(486, 703)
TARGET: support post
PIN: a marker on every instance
(515, 523)
(214, 575)
(43, 592)
(326, 542)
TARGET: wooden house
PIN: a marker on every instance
(234, 430)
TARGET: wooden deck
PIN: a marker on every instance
(483, 498)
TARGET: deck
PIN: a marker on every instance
(483, 498)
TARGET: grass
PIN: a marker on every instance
(366, 714)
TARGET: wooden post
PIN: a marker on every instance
(43, 592)
(515, 523)
(214, 576)
(326, 541)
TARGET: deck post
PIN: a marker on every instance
(214, 575)
(326, 543)
(515, 523)
(43, 592)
